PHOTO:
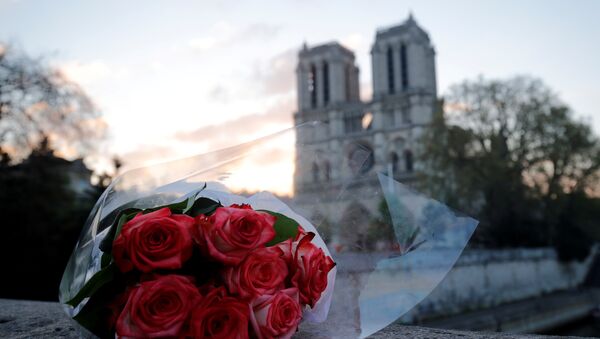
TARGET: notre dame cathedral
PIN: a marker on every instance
(353, 138)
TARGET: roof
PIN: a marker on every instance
(408, 25)
(323, 48)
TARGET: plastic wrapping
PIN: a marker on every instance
(392, 246)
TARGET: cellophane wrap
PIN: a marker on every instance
(392, 245)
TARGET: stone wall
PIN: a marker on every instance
(21, 319)
(485, 278)
(480, 279)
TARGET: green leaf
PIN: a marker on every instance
(94, 315)
(122, 220)
(99, 279)
(115, 229)
(203, 206)
(105, 260)
(285, 228)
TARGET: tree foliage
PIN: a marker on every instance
(39, 103)
(42, 115)
(41, 218)
(511, 153)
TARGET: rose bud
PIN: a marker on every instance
(276, 316)
(263, 271)
(157, 240)
(158, 308)
(230, 233)
(310, 267)
(220, 316)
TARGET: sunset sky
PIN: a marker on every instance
(176, 78)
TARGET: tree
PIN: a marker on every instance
(41, 219)
(39, 103)
(42, 115)
(510, 152)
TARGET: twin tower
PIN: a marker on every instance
(387, 127)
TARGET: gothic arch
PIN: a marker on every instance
(326, 170)
(404, 66)
(315, 172)
(408, 161)
(394, 161)
(397, 145)
(312, 85)
(390, 70)
(326, 84)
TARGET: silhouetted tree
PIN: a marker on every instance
(39, 103)
(510, 152)
(41, 209)
(41, 218)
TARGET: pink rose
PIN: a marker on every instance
(263, 271)
(277, 315)
(220, 316)
(156, 240)
(230, 233)
(308, 266)
(158, 308)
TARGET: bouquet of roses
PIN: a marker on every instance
(198, 269)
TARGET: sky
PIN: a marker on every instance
(177, 78)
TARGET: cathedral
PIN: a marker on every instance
(347, 140)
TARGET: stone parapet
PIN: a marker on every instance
(36, 319)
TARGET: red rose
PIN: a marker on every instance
(116, 306)
(230, 233)
(157, 240)
(158, 308)
(276, 316)
(310, 267)
(263, 271)
(289, 246)
(220, 316)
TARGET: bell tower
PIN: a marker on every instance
(403, 61)
(326, 75)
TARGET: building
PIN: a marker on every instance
(350, 140)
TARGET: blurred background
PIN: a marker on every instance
(488, 107)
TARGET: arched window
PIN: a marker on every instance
(394, 162)
(348, 76)
(312, 85)
(315, 172)
(404, 67)
(326, 171)
(325, 82)
(390, 70)
(408, 161)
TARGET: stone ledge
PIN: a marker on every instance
(36, 319)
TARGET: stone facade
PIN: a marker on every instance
(348, 140)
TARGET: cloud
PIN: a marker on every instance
(219, 94)
(235, 131)
(277, 75)
(224, 34)
(90, 72)
(202, 43)
(269, 168)
(145, 155)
